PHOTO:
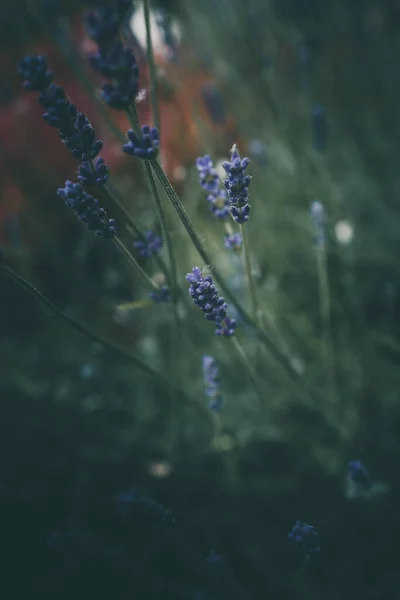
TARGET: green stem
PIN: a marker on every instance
(28, 287)
(136, 229)
(195, 238)
(152, 67)
(325, 310)
(249, 273)
(134, 264)
(248, 366)
(164, 229)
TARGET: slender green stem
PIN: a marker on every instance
(152, 66)
(325, 311)
(248, 366)
(249, 273)
(164, 229)
(134, 264)
(28, 287)
(135, 228)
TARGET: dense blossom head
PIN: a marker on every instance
(60, 112)
(208, 176)
(103, 24)
(146, 147)
(237, 186)
(306, 537)
(37, 77)
(81, 140)
(205, 295)
(150, 245)
(87, 210)
(90, 175)
(116, 62)
(211, 382)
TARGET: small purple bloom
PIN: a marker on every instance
(146, 147)
(87, 210)
(211, 383)
(37, 77)
(103, 24)
(319, 127)
(135, 504)
(60, 112)
(306, 537)
(116, 62)
(219, 203)
(96, 174)
(81, 140)
(161, 295)
(208, 176)
(205, 295)
(234, 242)
(237, 186)
(150, 245)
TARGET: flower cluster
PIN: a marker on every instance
(113, 60)
(211, 383)
(87, 210)
(79, 136)
(237, 186)
(210, 182)
(145, 147)
(150, 245)
(205, 295)
(306, 537)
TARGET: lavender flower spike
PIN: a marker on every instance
(145, 148)
(87, 210)
(211, 383)
(237, 186)
(205, 295)
(37, 77)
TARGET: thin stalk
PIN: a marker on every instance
(134, 227)
(134, 264)
(249, 273)
(248, 366)
(98, 339)
(164, 229)
(152, 66)
(325, 311)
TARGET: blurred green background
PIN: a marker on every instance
(79, 426)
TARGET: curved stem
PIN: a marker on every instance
(134, 227)
(134, 264)
(163, 223)
(152, 66)
(28, 287)
(249, 273)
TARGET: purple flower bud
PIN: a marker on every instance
(306, 537)
(146, 147)
(211, 383)
(37, 77)
(150, 245)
